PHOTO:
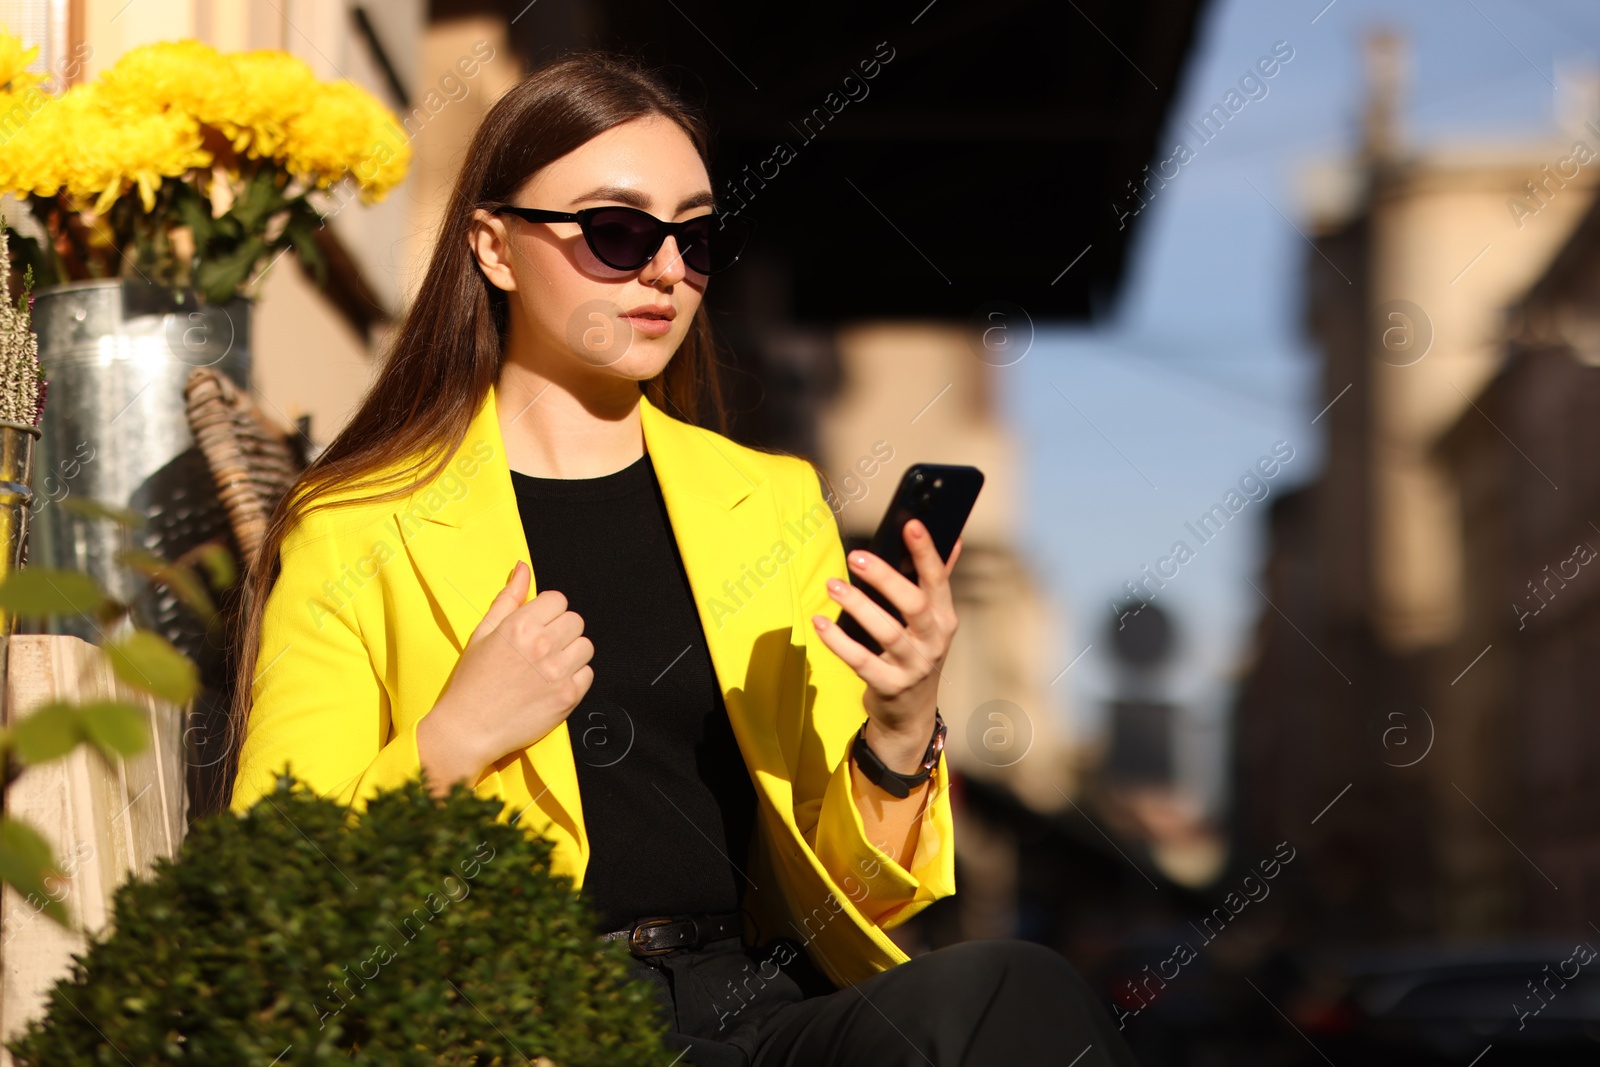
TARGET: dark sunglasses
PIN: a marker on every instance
(626, 238)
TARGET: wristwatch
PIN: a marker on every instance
(878, 773)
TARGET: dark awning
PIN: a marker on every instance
(982, 158)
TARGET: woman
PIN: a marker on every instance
(674, 709)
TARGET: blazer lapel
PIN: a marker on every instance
(463, 530)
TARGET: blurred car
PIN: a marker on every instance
(1529, 1001)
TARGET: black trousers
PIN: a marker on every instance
(987, 1003)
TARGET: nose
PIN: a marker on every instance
(666, 266)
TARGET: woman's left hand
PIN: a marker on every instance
(903, 680)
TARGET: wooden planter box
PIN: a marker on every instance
(104, 822)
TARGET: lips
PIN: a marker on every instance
(651, 320)
(665, 312)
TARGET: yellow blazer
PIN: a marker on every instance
(375, 602)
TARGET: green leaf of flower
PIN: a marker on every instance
(25, 862)
(183, 582)
(220, 277)
(195, 214)
(259, 198)
(217, 561)
(34, 592)
(99, 509)
(301, 235)
(115, 727)
(48, 733)
(148, 661)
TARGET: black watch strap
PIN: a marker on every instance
(878, 773)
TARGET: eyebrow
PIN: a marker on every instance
(635, 198)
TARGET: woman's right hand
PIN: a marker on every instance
(525, 667)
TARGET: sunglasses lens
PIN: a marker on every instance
(622, 238)
(714, 243)
(626, 240)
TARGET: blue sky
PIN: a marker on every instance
(1204, 366)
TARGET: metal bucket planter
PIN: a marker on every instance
(117, 356)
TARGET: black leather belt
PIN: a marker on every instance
(656, 934)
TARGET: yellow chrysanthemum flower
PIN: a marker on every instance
(188, 76)
(94, 154)
(41, 139)
(346, 131)
(14, 62)
(274, 88)
(139, 153)
(385, 165)
(146, 119)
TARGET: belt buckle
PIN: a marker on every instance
(637, 945)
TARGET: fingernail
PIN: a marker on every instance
(821, 621)
(835, 586)
(858, 560)
(514, 567)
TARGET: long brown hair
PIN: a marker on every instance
(447, 351)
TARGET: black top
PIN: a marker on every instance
(667, 801)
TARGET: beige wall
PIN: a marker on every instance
(1427, 228)
(919, 388)
(443, 127)
(315, 364)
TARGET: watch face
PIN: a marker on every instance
(938, 746)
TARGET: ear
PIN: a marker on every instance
(491, 244)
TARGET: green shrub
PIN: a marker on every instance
(419, 932)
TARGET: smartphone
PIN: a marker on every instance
(942, 497)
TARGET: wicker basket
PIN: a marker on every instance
(251, 459)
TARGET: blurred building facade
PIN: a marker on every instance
(919, 393)
(1524, 466)
(1388, 699)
